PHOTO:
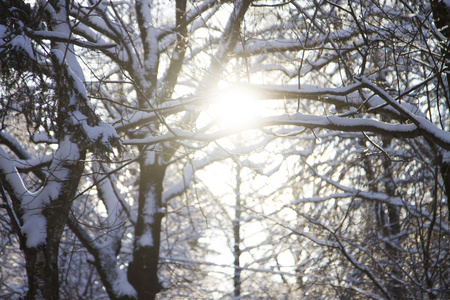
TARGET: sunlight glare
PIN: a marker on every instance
(234, 107)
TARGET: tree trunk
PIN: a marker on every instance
(391, 229)
(42, 261)
(237, 234)
(143, 269)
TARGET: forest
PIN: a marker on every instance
(214, 149)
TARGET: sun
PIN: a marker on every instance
(234, 107)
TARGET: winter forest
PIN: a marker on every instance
(207, 149)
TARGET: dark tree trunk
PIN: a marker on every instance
(143, 269)
(237, 234)
(42, 271)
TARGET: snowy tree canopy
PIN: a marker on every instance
(154, 149)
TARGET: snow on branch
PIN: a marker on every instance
(12, 179)
(112, 198)
(298, 119)
(112, 276)
(254, 47)
(33, 224)
(66, 38)
(427, 128)
(188, 175)
(33, 163)
(15, 42)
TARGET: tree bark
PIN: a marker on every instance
(143, 269)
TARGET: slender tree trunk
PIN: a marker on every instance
(237, 234)
(391, 229)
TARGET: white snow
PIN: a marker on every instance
(121, 286)
(446, 156)
(17, 42)
(23, 43)
(150, 206)
(3, 30)
(94, 133)
(41, 137)
(30, 163)
(146, 240)
(109, 195)
(34, 225)
(34, 228)
(150, 158)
